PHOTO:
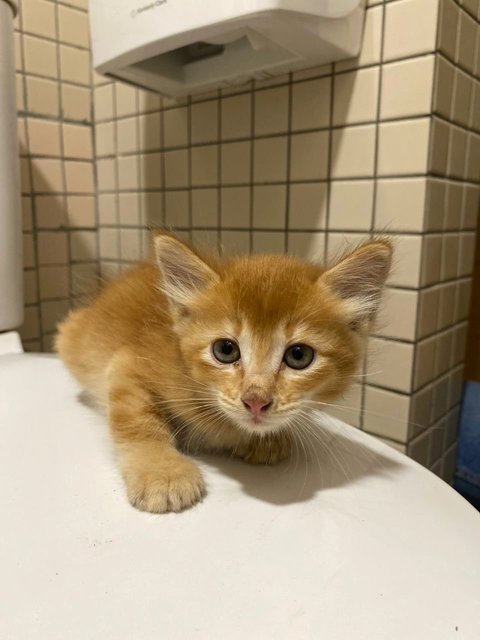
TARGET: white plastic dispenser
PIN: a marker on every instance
(180, 47)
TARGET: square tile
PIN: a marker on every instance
(270, 159)
(419, 448)
(269, 204)
(106, 180)
(44, 137)
(40, 57)
(125, 100)
(407, 88)
(81, 211)
(403, 147)
(175, 127)
(38, 17)
(30, 293)
(400, 204)
(428, 311)
(54, 282)
(431, 259)
(104, 139)
(351, 205)
(410, 28)
(356, 96)
(128, 209)
(52, 312)
(467, 254)
(149, 129)
(151, 204)
(421, 410)
(150, 170)
(130, 245)
(462, 97)
(47, 175)
(205, 165)
(206, 240)
(307, 245)
(50, 212)
(447, 30)
(386, 413)
(42, 96)
(74, 65)
(308, 205)
(353, 152)
(76, 103)
(73, 26)
(236, 116)
(465, 54)
(453, 206)
(446, 308)
(28, 251)
(397, 317)
(109, 243)
(235, 207)
(176, 168)
(470, 206)
(380, 371)
(271, 111)
(205, 208)
(79, 177)
(424, 362)
(371, 41)
(235, 242)
(177, 209)
(103, 102)
(348, 407)
(472, 170)
(450, 252)
(128, 174)
(311, 104)
(407, 261)
(444, 83)
(85, 279)
(52, 247)
(235, 162)
(77, 141)
(457, 152)
(268, 242)
(127, 136)
(205, 121)
(83, 246)
(309, 156)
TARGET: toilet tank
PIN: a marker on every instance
(180, 47)
(11, 262)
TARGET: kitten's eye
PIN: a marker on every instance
(298, 356)
(226, 351)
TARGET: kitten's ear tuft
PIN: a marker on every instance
(358, 279)
(184, 274)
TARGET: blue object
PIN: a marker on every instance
(467, 476)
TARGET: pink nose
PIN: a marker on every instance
(256, 407)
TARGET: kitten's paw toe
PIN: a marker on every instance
(161, 492)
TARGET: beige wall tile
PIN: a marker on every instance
(176, 209)
(30, 293)
(73, 26)
(419, 448)
(129, 209)
(130, 244)
(83, 245)
(104, 139)
(466, 38)
(175, 126)
(77, 141)
(235, 162)
(424, 362)
(403, 147)
(84, 278)
(103, 102)
(126, 133)
(53, 311)
(235, 242)
(431, 259)
(371, 42)
(353, 152)
(400, 204)
(308, 206)
(270, 159)
(50, 211)
(125, 100)
(40, 57)
(311, 104)
(444, 82)
(176, 168)
(74, 65)
(31, 324)
(205, 207)
(235, 206)
(81, 211)
(52, 248)
(470, 206)
(148, 101)
(462, 97)
(309, 156)
(271, 111)
(54, 282)
(152, 208)
(47, 175)
(457, 152)
(268, 242)
(407, 261)
(205, 165)
(108, 243)
(38, 17)
(44, 137)
(42, 96)
(348, 407)
(105, 175)
(79, 176)
(128, 174)
(447, 31)
(150, 131)
(410, 28)
(428, 311)
(150, 170)
(351, 205)
(236, 116)
(356, 96)
(340, 243)
(398, 315)
(204, 121)
(386, 413)
(308, 245)
(407, 88)
(269, 204)
(382, 353)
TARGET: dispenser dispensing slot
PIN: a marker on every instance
(201, 63)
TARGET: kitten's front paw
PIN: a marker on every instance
(168, 487)
(271, 449)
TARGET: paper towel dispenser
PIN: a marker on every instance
(180, 47)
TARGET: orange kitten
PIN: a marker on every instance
(222, 354)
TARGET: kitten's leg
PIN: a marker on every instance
(157, 476)
(268, 449)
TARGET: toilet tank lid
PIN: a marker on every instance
(14, 5)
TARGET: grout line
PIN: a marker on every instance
(289, 163)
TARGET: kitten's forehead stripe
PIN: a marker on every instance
(262, 350)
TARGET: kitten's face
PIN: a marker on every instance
(267, 336)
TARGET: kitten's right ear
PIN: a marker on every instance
(184, 274)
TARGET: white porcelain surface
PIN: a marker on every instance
(368, 545)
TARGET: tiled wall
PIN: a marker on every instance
(307, 162)
(54, 98)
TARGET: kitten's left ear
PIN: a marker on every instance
(359, 279)
(184, 274)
